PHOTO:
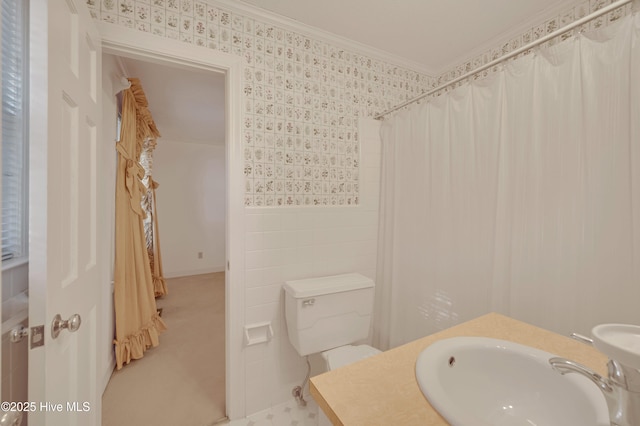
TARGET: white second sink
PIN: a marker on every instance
(477, 381)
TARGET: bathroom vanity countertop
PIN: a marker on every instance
(382, 390)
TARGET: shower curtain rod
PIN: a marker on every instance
(516, 52)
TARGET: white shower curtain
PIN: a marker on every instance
(519, 194)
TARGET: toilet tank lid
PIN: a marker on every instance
(310, 287)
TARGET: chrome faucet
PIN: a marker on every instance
(621, 389)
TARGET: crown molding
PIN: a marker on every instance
(266, 16)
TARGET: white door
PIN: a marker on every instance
(64, 221)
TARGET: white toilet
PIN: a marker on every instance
(326, 315)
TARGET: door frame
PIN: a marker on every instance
(120, 41)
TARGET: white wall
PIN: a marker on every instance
(292, 243)
(191, 206)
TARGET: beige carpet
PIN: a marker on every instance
(180, 382)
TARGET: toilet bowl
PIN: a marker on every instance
(339, 357)
(345, 355)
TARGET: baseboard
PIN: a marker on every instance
(185, 273)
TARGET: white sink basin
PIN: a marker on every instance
(477, 381)
(618, 341)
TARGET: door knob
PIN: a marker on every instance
(72, 324)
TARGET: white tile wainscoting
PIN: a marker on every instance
(285, 243)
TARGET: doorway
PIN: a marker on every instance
(189, 163)
(143, 46)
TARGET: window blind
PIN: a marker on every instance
(14, 129)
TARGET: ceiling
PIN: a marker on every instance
(187, 104)
(433, 34)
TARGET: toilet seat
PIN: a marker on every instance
(345, 355)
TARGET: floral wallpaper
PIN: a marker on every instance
(303, 96)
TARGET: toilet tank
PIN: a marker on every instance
(327, 312)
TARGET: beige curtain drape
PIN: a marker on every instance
(137, 321)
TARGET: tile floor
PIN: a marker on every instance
(287, 414)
